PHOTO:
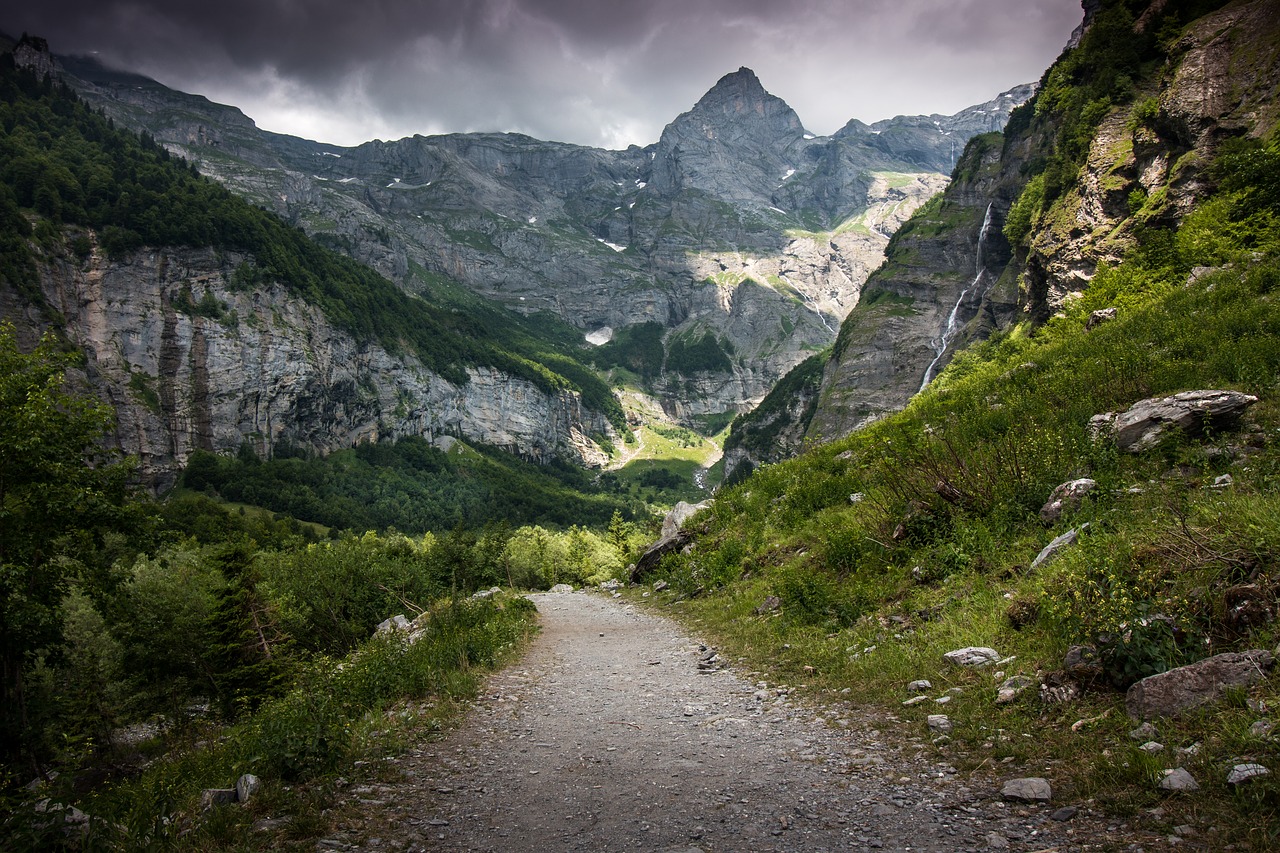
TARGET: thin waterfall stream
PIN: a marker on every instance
(953, 324)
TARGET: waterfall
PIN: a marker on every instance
(953, 326)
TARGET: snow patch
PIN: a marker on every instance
(809, 136)
(600, 336)
(613, 246)
(788, 174)
(640, 184)
(533, 220)
(780, 210)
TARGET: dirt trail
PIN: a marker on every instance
(612, 734)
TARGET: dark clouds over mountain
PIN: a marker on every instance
(587, 71)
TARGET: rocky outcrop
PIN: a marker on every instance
(736, 220)
(269, 369)
(1146, 422)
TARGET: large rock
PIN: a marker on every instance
(1066, 497)
(1030, 790)
(680, 513)
(1190, 412)
(972, 656)
(1171, 692)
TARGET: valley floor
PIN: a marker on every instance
(619, 731)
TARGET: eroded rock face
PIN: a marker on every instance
(278, 372)
(1177, 690)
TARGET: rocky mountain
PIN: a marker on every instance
(738, 232)
(1033, 214)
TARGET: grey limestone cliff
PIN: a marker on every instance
(268, 369)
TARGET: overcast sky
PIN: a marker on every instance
(595, 72)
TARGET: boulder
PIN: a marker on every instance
(1242, 773)
(1171, 692)
(680, 513)
(561, 589)
(940, 723)
(1067, 496)
(972, 656)
(652, 556)
(1191, 412)
(770, 604)
(246, 786)
(1178, 779)
(395, 623)
(919, 684)
(1033, 789)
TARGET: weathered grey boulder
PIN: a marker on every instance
(561, 589)
(972, 656)
(1171, 692)
(674, 538)
(1192, 412)
(395, 623)
(1033, 789)
(679, 514)
(1067, 496)
(246, 786)
(1178, 779)
(940, 723)
(770, 604)
(919, 684)
(1242, 773)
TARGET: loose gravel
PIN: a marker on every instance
(618, 731)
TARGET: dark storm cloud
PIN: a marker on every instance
(589, 71)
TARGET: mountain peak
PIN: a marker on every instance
(741, 87)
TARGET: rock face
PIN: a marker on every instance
(951, 277)
(1190, 412)
(272, 371)
(1171, 692)
(737, 223)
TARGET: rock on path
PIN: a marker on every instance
(608, 737)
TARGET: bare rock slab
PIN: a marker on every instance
(1172, 692)
(1032, 789)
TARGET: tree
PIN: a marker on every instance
(59, 491)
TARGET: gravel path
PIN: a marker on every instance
(616, 733)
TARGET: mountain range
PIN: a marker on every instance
(697, 270)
